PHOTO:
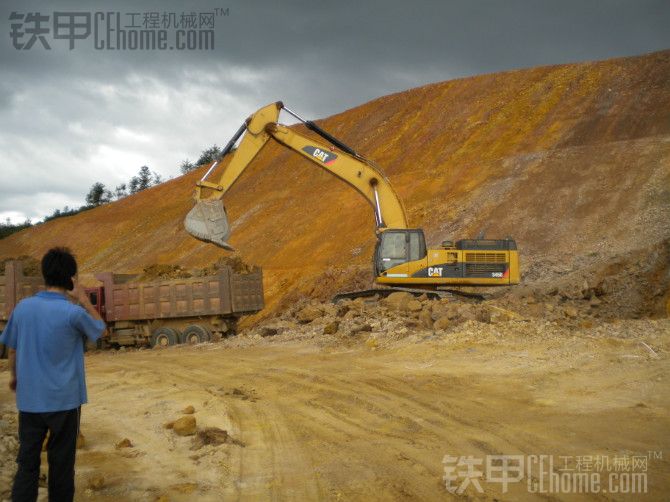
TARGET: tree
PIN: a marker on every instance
(187, 166)
(145, 178)
(98, 195)
(209, 155)
(121, 191)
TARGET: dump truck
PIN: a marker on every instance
(162, 312)
(401, 259)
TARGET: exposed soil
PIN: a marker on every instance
(573, 161)
(369, 415)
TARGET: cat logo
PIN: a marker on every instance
(326, 157)
(434, 271)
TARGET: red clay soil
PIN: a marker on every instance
(573, 161)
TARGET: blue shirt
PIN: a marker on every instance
(47, 331)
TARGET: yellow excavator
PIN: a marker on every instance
(401, 258)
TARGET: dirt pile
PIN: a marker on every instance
(158, 272)
(573, 161)
(401, 314)
(31, 266)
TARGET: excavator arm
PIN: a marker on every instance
(208, 220)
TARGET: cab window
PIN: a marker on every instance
(394, 246)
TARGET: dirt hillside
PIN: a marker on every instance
(573, 161)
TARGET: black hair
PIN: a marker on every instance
(58, 268)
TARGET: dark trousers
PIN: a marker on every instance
(61, 448)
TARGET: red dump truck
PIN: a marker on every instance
(166, 312)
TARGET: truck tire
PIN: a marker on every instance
(195, 333)
(163, 337)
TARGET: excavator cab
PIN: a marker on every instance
(398, 246)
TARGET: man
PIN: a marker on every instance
(45, 336)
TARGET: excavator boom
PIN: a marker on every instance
(208, 221)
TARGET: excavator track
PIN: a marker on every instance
(384, 292)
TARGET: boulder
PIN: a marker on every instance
(570, 311)
(330, 309)
(442, 323)
(359, 328)
(269, 331)
(331, 328)
(426, 319)
(189, 410)
(185, 426)
(342, 310)
(308, 314)
(398, 301)
(414, 306)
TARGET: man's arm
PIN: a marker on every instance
(11, 357)
(79, 294)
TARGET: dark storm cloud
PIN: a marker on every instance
(83, 115)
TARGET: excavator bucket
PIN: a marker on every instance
(208, 222)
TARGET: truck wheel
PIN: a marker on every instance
(163, 337)
(195, 334)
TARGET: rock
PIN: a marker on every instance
(209, 435)
(331, 328)
(426, 319)
(548, 307)
(423, 297)
(330, 309)
(269, 331)
(414, 306)
(168, 425)
(81, 441)
(398, 301)
(441, 323)
(483, 315)
(450, 310)
(189, 410)
(358, 328)
(342, 310)
(308, 314)
(595, 301)
(124, 443)
(570, 311)
(185, 426)
(95, 482)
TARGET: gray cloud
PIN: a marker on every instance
(70, 118)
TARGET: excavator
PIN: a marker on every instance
(401, 258)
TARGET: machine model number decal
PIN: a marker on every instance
(326, 157)
(496, 274)
(435, 271)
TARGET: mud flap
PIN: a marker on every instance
(208, 222)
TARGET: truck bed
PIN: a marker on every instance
(222, 294)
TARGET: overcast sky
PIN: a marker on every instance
(71, 117)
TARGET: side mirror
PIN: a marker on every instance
(447, 244)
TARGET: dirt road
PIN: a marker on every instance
(372, 418)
